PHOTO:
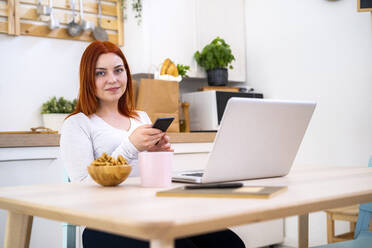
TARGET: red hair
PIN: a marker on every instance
(87, 101)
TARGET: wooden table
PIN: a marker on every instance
(136, 212)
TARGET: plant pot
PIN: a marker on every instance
(54, 121)
(217, 77)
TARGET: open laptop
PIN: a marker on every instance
(257, 138)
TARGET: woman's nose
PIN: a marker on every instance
(111, 78)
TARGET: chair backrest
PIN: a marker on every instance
(364, 216)
(68, 230)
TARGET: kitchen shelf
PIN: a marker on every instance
(19, 17)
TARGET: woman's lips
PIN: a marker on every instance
(113, 89)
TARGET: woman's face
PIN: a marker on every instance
(111, 78)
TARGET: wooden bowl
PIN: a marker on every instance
(109, 175)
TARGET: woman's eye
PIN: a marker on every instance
(119, 70)
(100, 73)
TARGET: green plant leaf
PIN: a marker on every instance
(182, 70)
(216, 54)
(61, 105)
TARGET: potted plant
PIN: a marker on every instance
(54, 111)
(215, 58)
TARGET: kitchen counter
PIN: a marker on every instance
(52, 139)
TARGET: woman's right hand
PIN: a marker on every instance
(144, 137)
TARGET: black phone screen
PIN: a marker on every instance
(163, 123)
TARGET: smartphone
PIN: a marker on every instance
(163, 123)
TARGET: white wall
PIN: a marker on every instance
(223, 18)
(319, 51)
(33, 69)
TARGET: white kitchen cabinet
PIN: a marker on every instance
(190, 156)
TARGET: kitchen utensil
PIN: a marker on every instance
(98, 32)
(53, 22)
(85, 25)
(42, 9)
(74, 29)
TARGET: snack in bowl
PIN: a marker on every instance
(107, 171)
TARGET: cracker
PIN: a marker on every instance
(107, 160)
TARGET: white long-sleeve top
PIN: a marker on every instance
(85, 138)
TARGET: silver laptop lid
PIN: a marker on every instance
(257, 138)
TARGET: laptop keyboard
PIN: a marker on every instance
(196, 174)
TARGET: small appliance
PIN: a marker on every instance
(207, 107)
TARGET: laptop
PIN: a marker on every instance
(257, 138)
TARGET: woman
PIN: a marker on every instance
(105, 121)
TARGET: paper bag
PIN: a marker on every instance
(134, 92)
(159, 98)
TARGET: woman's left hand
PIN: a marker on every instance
(162, 146)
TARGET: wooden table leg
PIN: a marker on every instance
(18, 230)
(162, 243)
(303, 231)
(352, 226)
(330, 228)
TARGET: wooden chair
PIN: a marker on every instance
(350, 214)
(363, 228)
(69, 231)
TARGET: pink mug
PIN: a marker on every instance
(155, 169)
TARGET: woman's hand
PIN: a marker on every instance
(145, 137)
(162, 146)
